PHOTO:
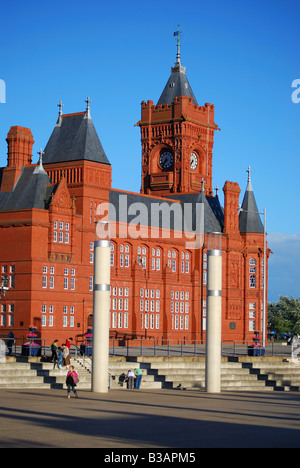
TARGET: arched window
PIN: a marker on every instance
(156, 259)
(125, 255)
(142, 256)
(185, 262)
(174, 260)
(112, 254)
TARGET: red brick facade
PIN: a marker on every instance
(158, 284)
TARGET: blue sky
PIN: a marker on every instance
(240, 56)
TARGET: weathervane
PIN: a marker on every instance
(177, 33)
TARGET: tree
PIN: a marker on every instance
(284, 315)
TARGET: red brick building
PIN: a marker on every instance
(48, 213)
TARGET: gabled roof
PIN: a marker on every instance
(250, 221)
(74, 138)
(31, 190)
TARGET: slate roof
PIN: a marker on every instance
(177, 85)
(134, 208)
(74, 138)
(151, 215)
(250, 220)
(213, 211)
(30, 191)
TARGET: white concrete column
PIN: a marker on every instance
(100, 361)
(214, 321)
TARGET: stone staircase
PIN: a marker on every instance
(281, 376)
(237, 374)
(191, 375)
(253, 375)
(36, 374)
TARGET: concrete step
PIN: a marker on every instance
(275, 365)
(17, 372)
(235, 376)
(23, 385)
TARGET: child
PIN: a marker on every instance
(71, 381)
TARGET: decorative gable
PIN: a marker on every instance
(61, 199)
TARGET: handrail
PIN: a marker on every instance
(23, 340)
(84, 357)
(155, 347)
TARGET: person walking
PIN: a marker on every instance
(130, 379)
(69, 343)
(54, 352)
(71, 381)
(60, 357)
(66, 355)
(138, 374)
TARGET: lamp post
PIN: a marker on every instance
(264, 213)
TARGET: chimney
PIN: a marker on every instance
(231, 210)
(20, 142)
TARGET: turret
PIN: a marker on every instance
(250, 221)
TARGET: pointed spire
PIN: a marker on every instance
(178, 84)
(249, 216)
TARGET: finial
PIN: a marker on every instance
(39, 169)
(202, 185)
(249, 173)
(249, 185)
(41, 152)
(60, 105)
(88, 102)
(177, 33)
(217, 190)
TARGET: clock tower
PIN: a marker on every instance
(177, 138)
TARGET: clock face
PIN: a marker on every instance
(166, 159)
(194, 161)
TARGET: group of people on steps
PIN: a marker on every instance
(61, 357)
